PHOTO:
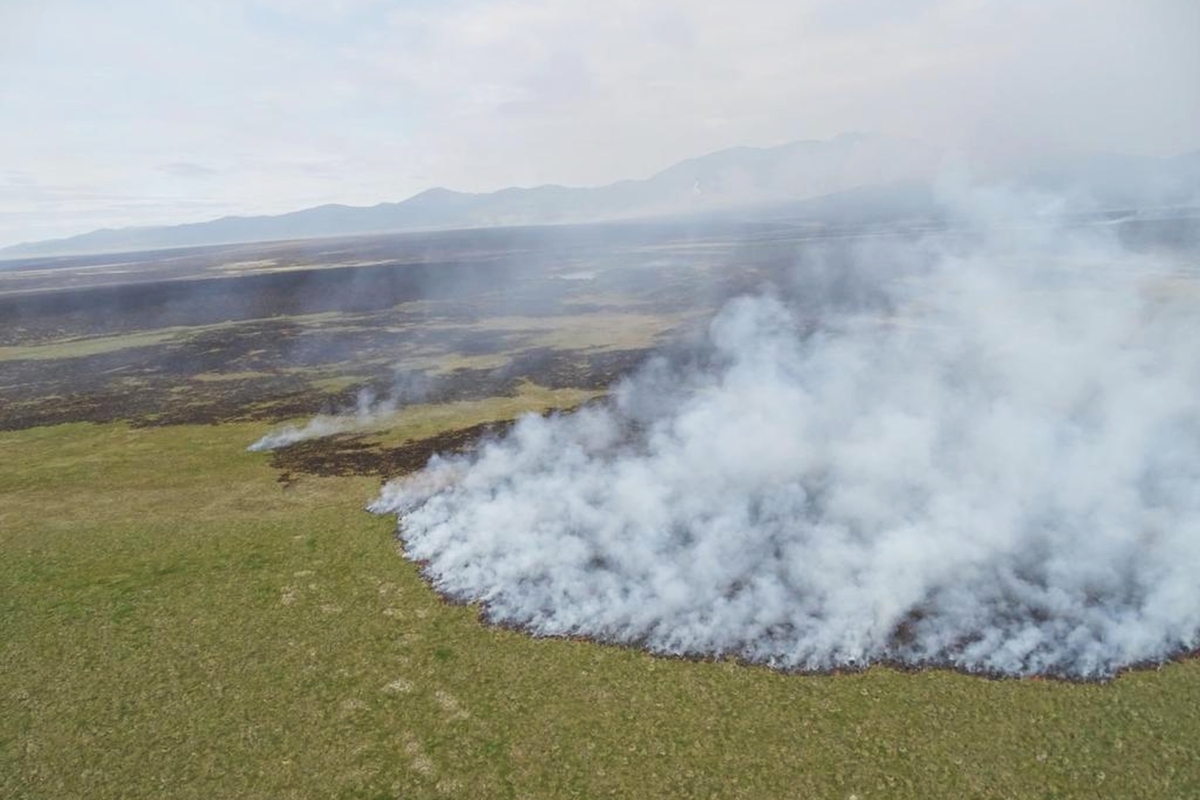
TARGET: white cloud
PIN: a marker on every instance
(363, 101)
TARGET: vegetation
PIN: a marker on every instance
(182, 618)
(173, 622)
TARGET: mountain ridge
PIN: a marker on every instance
(738, 177)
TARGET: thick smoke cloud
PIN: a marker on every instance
(985, 455)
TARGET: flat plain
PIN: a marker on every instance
(180, 617)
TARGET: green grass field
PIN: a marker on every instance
(174, 622)
(182, 618)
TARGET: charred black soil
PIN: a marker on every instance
(186, 340)
(361, 454)
(219, 378)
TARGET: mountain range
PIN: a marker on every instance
(867, 176)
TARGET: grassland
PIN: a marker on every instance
(174, 623)
(84, 346)
(176, 620)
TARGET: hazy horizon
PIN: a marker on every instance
(138, 115)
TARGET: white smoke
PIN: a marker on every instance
(367, 411)
(991, 461)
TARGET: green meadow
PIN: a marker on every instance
(175, 622)
(182, 618)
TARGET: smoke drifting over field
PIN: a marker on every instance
(983, 456)
(367, 411)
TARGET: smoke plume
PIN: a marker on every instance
(982, 454)
(367, 411)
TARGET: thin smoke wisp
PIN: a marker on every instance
(367, 411)
(982, 456)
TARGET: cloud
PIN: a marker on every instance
(188, 170)
(387, 98)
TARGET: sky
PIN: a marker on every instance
(137, 112)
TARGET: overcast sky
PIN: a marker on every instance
(153, 111)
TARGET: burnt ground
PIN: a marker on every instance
(210, 340)
(281, 330)
(185, 341)
(286, 329)
(159, 385)
(47, 298)
(361, 454)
